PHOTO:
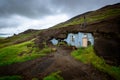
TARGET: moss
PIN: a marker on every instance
(21, 52)
(53, 76)
(35, 79)
(88, 56)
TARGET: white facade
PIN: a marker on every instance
(77, 40)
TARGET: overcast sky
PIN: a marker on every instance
(19, 15)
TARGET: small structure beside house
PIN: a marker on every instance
(54, 41)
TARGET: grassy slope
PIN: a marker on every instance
(19, 48)
(18, 38)
(91, 17)
(88, 56)
(10, 52)
(20, 53)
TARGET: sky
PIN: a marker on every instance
(19, 15)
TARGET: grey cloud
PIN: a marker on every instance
(27, 8)
(41, 8)
(38, 9)
(6, 23)
(75, 7)
(24, 8)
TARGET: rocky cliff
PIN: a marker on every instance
(106, 38)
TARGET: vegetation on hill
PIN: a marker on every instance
(21, 47)
(53, 76)
(21, 52)
(92, 16)
(22, 37)
(2, 38)
(88, 56)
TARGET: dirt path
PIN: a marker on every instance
(57, 61)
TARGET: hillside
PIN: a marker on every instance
(19, 38)
(92, 16)
(31, 56)
(102, 23)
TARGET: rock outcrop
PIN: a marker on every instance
(107, 37)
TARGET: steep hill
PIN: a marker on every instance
(19, 38)
(92, 16)
(103, 24)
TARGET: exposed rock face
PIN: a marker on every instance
(108, 48)
(107, 40)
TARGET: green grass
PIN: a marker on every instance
(53, 76)
(35, 79)
(11, 78)
(18, 38)
(91, 17)
(21, 52)
(2, 38)
(88, 56)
